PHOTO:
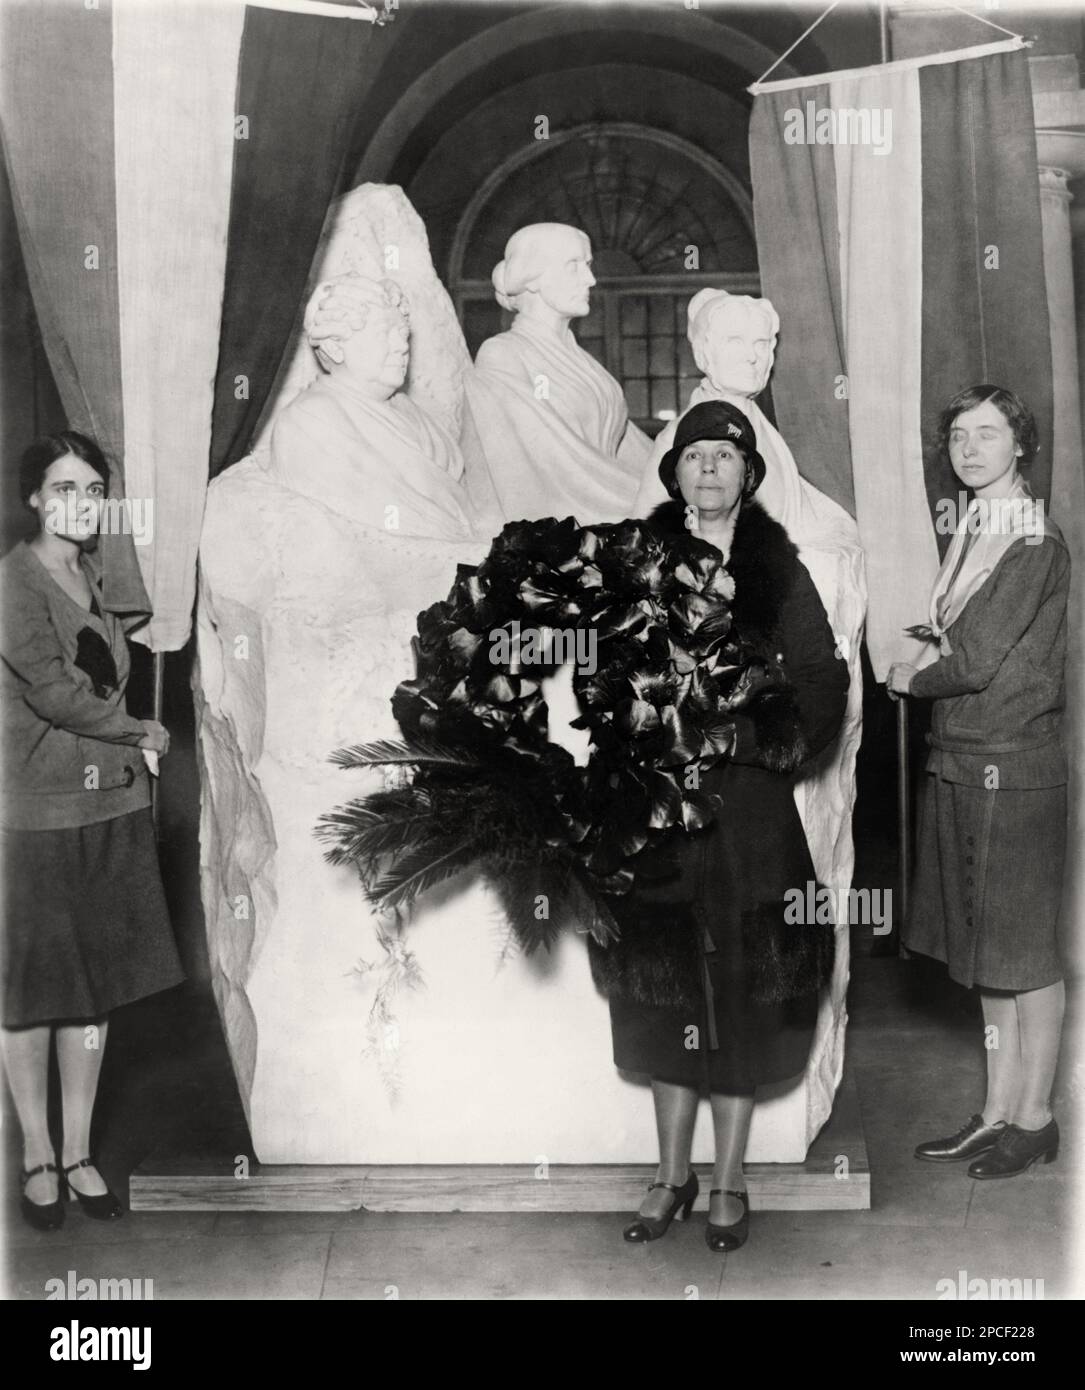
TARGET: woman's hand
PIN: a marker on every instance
(156, 738)
(899, 680)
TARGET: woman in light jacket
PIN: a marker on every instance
(85, 926)
(992, 819)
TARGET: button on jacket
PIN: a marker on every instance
(71, 754)
(999, 695)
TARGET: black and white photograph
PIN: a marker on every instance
(542, 597)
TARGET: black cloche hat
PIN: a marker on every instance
(712, 420)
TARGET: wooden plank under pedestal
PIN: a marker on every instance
(834, 1177)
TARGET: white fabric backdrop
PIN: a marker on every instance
(879, 200)
(175, 72)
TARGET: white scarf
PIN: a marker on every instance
(985, 532)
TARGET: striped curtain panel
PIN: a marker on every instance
(174, 79)
(56, 113)
(142, 204)
(298, 89)
(898, 228)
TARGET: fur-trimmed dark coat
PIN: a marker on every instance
(733, 876)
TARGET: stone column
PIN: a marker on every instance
(1059, 114)
(1055, 198)
(1059, 108)
(1077, 245)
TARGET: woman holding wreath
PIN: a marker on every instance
(676, 848)
(711, 986)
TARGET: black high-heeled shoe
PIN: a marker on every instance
(43, 1216)
(721, 1239)
(104, 1206)
(652, 1227)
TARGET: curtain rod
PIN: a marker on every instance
(788, 51)
(897, 65)
(883, 38)
(318, 7)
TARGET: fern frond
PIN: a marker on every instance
(406, 807)
(420, 869)
(412, 751)
(364, 841)
(393, 802)
(518, 890)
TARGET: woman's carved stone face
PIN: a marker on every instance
(737, 350)
(565, 276)
(377, 355)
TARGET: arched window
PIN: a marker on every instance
(664, 220)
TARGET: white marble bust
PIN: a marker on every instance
(552, 421)
(353, 440)
(733, 339)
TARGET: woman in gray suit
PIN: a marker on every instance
(992, 817)
(85, 927)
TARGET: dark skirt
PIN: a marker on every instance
(86, 927)
(989, 870)
(730, 1042)
(754, 983)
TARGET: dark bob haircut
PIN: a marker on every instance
(45, 451)
(1016, 413)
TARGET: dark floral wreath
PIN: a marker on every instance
(489, 789)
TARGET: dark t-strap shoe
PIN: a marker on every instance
(970, 1141)
(104, 1207)
(43, 1216)
(722, 1239)
(652, 1227)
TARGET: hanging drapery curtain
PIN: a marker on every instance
(297, 92)
(898, 229)
(56, 113)
(980, 323)
(174, 76)
(152, 219)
